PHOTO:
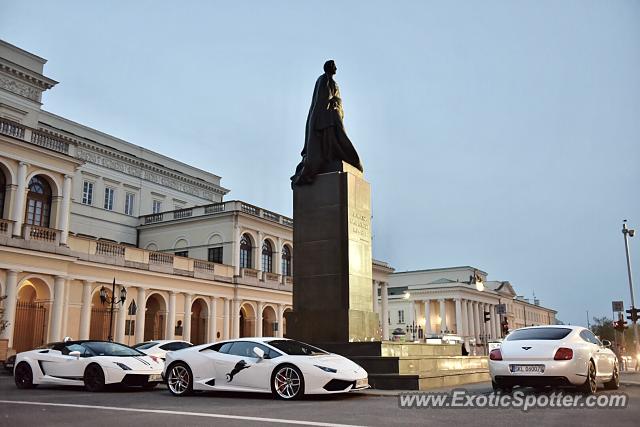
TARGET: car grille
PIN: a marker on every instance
(133, 380)
(337, 385)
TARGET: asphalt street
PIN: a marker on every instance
(58, 406)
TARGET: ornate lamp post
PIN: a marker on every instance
(112, 300)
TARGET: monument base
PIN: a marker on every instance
(332, 268)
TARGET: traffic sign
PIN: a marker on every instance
(617, 305)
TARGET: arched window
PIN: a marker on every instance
(245, 252)
(267, 257)
(286, 261)
(3, 190)
(38, 202)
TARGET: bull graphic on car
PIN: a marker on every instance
(239, 367)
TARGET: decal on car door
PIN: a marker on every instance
(239, 367)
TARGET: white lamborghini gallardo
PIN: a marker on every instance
(558, 355)
(93, 364)
(286, 368)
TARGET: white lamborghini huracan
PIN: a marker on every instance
(286, 368)
(93, 364)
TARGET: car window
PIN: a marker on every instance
(173, 346)
(245, 349)
(295, 348)
(221, 347)
(75, 347)
(588, 336)
(101, 348)
(545, 334)
(145, 345)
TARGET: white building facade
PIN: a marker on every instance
(456, 301)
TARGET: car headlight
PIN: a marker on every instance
(123, 366)
(324, 368)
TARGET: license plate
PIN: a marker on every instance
(527, 369)
(363, 382)
(155, 377)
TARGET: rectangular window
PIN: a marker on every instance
(400, 316)
(157, 206)
(215, 255)
(128, 203)
(87, 193)
(109, 193)
(182, 253)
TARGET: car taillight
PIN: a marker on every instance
(563, 353)
(495, 354)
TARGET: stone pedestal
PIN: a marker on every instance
(332, 301)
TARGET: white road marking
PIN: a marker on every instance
(193, 414)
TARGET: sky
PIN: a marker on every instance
(504, 135)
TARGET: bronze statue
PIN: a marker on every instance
(326, 142)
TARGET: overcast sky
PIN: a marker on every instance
(499, 134)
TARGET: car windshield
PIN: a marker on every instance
(538, 334)
(98, 348)
(145, 345)
(295, 348)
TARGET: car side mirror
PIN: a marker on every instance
(75, 354)
(258, 352)
(606, 343)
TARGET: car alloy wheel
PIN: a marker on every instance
(287, 382)
(94, 378)
(590, 386)
(179, 380)
(24, 376)
(614, 383)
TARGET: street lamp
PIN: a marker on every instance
(112, 300)
(630, 233)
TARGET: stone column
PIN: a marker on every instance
(186, 323)
(277, 257)
(260, 306)
(121, 321)
(470, 322)
(19, 201)
(141, 308)
(10, 304)
(85, 311)
(459, 323)
(236, 248)
(280, 314)
(59, 284)
(258, 252)
(476, 320)
(213, 320)
(443, 315)
(170, 334)
(465, 320)
(385, 310)
(236, 318)
(427, 317)
(225, 318)
(63, 219)
(496, 323)
(374, 295)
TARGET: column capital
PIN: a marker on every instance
(68, 177)
(13, 271)
(23, 163)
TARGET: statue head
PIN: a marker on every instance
(330, 67)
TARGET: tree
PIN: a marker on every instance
(603, 328)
